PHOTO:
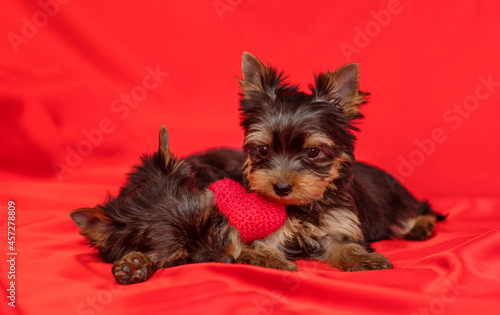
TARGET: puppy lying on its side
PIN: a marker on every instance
(164, 216)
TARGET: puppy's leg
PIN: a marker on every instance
(345, 246)
(259, 254)
(349, 256)
(132, 268)
(419, 227)
(423, 225)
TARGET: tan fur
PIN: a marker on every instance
(247, 166)
(337, 165)
(339, 235)
(400, 230)
(322, 210)
(259, 137)
(316, 140)
(265, 76)
(163, 149)
(208, 207)
(416, 228)
(259, 254)
(307, 186)
(289, 230)
(94, 229)
(343, 224)
(339, 225)
(340, 86)
(236, 246)
(422, 229)
(342, 243)
(177, 255)
(354, 257)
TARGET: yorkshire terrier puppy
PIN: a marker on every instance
(300, 153)
(165, 216)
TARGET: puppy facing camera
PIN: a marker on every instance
(299, 149)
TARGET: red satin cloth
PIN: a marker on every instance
(86, 85)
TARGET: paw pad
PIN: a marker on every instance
(132, 268)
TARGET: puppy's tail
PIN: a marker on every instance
(425, 208)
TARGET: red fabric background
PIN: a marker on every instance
(67, 68)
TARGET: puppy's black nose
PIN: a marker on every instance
(282, 189)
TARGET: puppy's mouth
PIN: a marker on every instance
(281, 198)
(292, 191)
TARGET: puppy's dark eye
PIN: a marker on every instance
(262, 150)
(313, 153)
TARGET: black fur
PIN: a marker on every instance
(165, 212)
(158, 209)
(165, 216)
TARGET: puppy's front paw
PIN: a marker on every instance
(369, 261)
(286, 265)
(133, 268)
(266, 258)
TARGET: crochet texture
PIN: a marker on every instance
(253, 215)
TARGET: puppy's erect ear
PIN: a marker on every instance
(163, 149)
(93, 223)
(259, 79)
(252, 68)
(341, 87)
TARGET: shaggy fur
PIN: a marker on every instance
(300, 153)
(164, 216)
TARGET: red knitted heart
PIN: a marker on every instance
(253, 216)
